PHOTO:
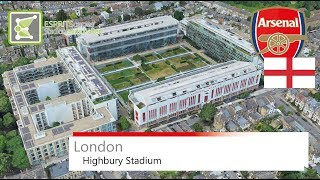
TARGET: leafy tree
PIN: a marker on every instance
(126, 17)
(310, 173)
(55, 124)
(73, 15)
(93, 5)
(48, 98)
(124, 123)
(197, 127)
(61, 15)
(309, 28)
(307, 13)
(84, 11)
(11, 134)
(249, 18)
(5, 162)
(5, 105)
(244, 95)
(178, 15)
(20, 159)
(3, 142)
(207, 112)
(13, 143)
(168, 174)
(261, 83)
(9, 120)
(119, 19)
(281, 108)
(139, 11)
(316, 96)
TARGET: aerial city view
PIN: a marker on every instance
(143, 66)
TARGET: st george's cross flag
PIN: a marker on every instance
(289, 73)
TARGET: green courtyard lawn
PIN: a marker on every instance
(172, 52)
(185, 63)
(150, 57)
(124, 95)
(126, 78)
(159, 70)
(115, 66)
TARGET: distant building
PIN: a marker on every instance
(61, 171)
(129, 38)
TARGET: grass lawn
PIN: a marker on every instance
(172, 52)
(150, 57)
(115, 66)
(126, 78)
(161, 70)
(187, 62)
(124, 95)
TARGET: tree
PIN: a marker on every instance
(249, 18)
(3, 142)
(126, 17)
(310, 173)
(73, 15)
(55, 124)
(5, 163)
(138, 11)
(61, 15)
(8, 120)
(309, 28)
(5, 105)
(48, 98)
(11, 134)
(281, 108)
(197, 127)
(84, 11)
(307, 13)
(124, 123)
(13, 143)
(207, 112)
(119, 19)
(20, 159)
(244, 95)
(93, 5)
(178, 15)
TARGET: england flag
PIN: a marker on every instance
(289, 72)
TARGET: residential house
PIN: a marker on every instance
(264, 175)
(310, 107)
(316, 116)
(300, 100)
(41, 51)
(61, 171)
(243, 123)
(291, 94)
(232, 126)
(251, 105)
(276, 123)
(254, 117)
(267, 110)
(11, 53)
(286, 122)
(29, 52)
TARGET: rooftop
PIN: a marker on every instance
(89, 79)
(130, 28)
(190, 81)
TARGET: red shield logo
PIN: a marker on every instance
(278, 32)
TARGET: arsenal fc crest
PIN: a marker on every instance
(278, 35)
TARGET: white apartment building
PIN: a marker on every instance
(52, 98)
(188, 92)
(132, 37)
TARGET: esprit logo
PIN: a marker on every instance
(278, 35)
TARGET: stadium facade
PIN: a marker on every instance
(173, 97)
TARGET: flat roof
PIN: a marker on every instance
(84, 72)
(190, 81)
(227, 34)
(130, 28)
